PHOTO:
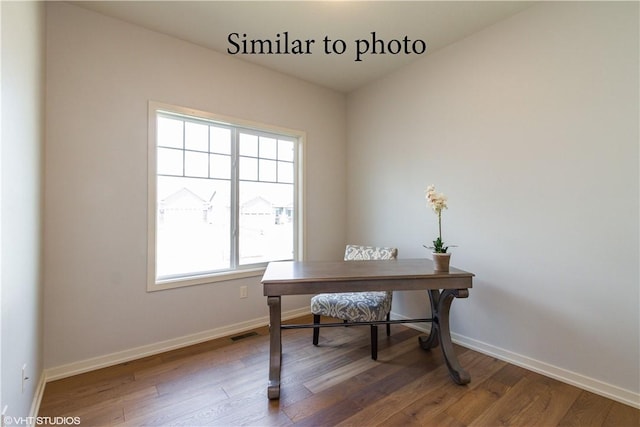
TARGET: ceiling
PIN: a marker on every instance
(209, 23)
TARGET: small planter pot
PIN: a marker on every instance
(441, 262)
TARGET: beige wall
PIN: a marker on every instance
(101, 73)
(20, 202)
(531, 128)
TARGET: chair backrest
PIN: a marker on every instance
(369, 253)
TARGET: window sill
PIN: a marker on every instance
(206, 279)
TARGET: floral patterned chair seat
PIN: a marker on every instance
(357, 306)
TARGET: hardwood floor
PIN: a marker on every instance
(224, 382)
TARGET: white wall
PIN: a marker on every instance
(531, 128)
(101, 73)
(20, 208)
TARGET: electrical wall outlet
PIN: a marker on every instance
(244, 292)
(24, 376)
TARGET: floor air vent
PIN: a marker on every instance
(242, 336)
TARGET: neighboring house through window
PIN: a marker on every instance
(224, 197)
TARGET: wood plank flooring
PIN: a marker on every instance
(224, 383)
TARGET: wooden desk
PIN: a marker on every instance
(308, 277)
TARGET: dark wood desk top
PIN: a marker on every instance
(311, 277)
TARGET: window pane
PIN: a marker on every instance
(224, 194)
(169, 161)
(193, 226)
(220, 140)
(285, 150)
(267, 170)
(196, 136)
(196, 164)
(266, 222)
(169, 132)
(248, 145)
(268, 148)
(285, 172)
(220, 166)
(248, 169)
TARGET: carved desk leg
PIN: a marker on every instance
(440, 307)
(275, 347)
(432, 341)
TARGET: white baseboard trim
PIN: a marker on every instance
(82, 366)
(601, 388)
(566, 376)
(37, 398)
(422, 327)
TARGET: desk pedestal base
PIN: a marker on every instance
(440, 333)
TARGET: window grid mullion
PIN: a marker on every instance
(209, 151)
(184, 148)
(277, 160)
(234, 250)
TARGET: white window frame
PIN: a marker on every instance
(238, 272)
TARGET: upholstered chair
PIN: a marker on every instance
(357, 306)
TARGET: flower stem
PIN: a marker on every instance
(440, 225)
